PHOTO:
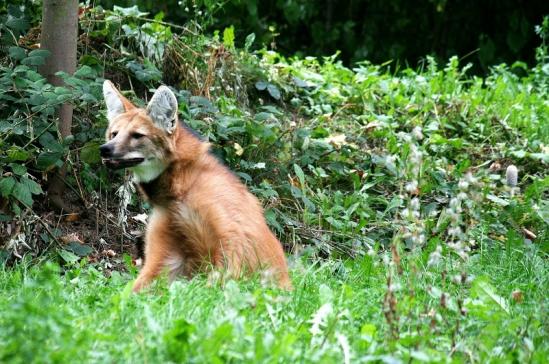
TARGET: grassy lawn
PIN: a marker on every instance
(336, 313)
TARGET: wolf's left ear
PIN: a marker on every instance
(163, 109)
(116, 103)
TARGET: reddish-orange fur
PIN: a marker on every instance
(202, 214)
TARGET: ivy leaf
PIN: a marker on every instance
(84, 71)
(17, 23)
(130, 11)
(36, 57)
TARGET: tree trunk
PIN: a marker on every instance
(59, 35)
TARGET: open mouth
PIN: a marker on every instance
(122, 163)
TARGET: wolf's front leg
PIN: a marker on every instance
(158, 250)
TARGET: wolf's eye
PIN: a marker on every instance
(113, 134)
(137, 135)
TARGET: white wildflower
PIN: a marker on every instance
(463, 185)
(411, 186)
(404, 136)
(320, 318)
(454, 231)
(511, 175)
(469, 178)
(455, 204)
(345, 347)
(393, 287)
(415, 155)
(435, 257)
(417, 133)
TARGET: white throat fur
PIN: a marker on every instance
(148, 170)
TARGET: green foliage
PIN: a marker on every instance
(29, 140)
(334, 314)
(326, 147)
(405, 32)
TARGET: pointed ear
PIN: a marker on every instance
(116, 103)
(163, 109)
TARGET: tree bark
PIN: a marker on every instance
(59, 36)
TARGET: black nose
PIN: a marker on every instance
(106, 150)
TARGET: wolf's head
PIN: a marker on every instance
(139, 139)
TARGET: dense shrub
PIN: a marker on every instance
(487, 33)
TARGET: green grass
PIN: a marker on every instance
(74, 314)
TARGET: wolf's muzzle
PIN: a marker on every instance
(106, 150)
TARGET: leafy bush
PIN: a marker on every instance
(327, 147)
(400, 31)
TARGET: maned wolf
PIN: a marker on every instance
(202, 214)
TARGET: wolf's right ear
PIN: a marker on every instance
(116, 103)
(163, 109)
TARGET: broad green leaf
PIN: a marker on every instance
(79, 249)
(300, 175)
(497, 200)
(249, 41)
(273, 91)
(16, 153)
(21, 192)
(49, 160)
(68, 257)
(18, 169)
(261, 85)
(264, 116)
(484, 290)
(17, 53)
(90, 153)
(43, 53)
(228, 37)
(33, 187)
(6, 185)
(84, 71)
(33, 61)
(130, 11)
